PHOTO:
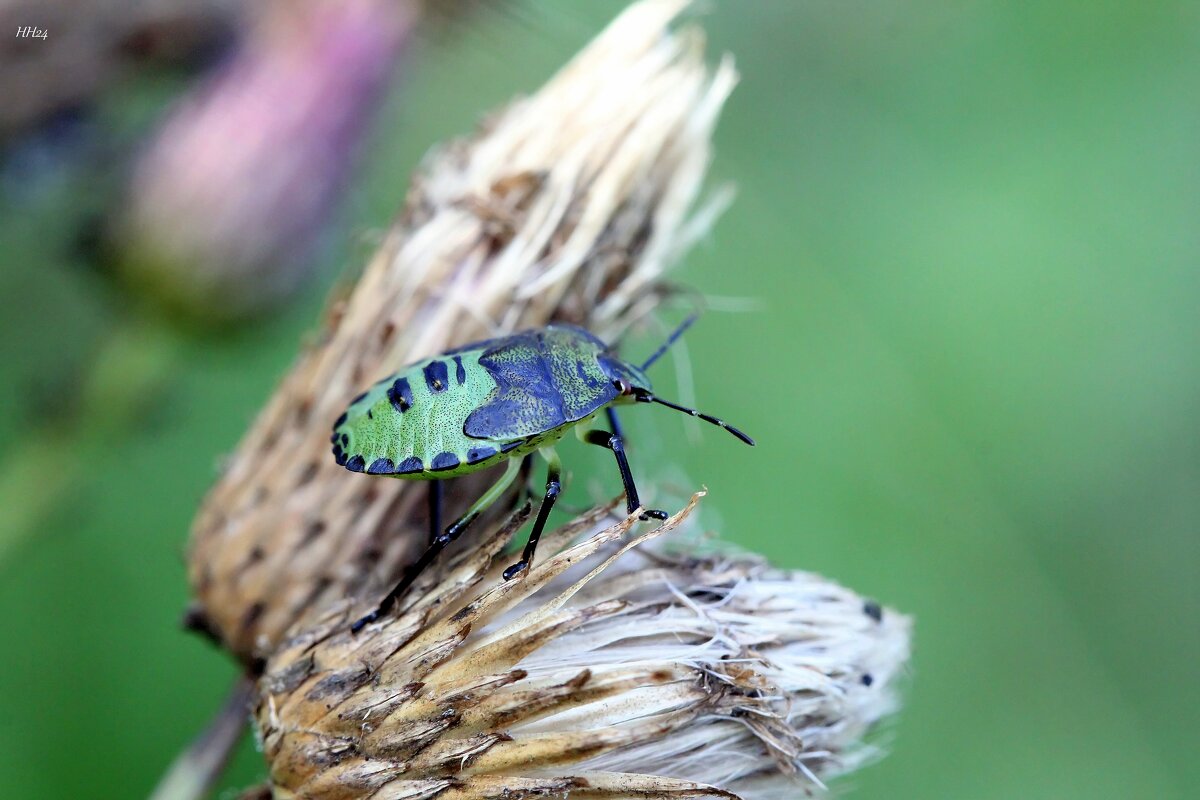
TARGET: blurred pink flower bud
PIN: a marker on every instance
(233, 194)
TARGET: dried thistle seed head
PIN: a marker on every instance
(611, 668)
(569, 205)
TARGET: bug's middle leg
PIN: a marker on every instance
(439, 544)
(614, 442)
(553, 487)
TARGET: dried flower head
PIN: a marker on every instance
(569, 205)
(612, 669)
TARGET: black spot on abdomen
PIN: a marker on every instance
(400, 395)
(460, 372)
(356, 464)
(443, 461)
(477, 454)
(381, 466)
(410, 464)
(436, 377)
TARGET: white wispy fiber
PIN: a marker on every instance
(828, 659)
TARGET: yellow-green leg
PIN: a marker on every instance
(440, 542)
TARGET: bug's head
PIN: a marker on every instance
(629, 379)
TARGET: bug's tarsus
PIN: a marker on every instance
(614, 443)
(553, 487)
(674, 337)
(647, 397)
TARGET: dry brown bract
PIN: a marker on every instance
(569, 205)
(610, 669)
(601, 673)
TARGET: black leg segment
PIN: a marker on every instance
(553, 487)
(439, 544)
(613, 442)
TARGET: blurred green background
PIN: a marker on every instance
(972, 230)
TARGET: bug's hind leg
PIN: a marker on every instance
(614, 442)
(553, 487)
(439, 544)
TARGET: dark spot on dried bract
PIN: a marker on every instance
(464, 612)
(286, 680)
(370, 494)
(252, 615)
(873, 610)
(867, 679)
(307, 474)
(196, 621)
(318, 588)
(386, 333)
(312, 532)
(331, 756)
(302, 412)
(338, 683)
(255, 555)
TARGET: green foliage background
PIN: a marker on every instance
(972, 227)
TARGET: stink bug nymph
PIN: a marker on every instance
(492, 401)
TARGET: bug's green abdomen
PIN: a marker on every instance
(410, 425)
(467, 409)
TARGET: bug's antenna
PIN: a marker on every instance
(646, 397)
(674, 337)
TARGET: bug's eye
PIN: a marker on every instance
(623, 386)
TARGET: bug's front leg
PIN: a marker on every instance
(553, 487)
(439, 544)
(614, 442)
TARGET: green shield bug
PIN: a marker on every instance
(493, 401)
